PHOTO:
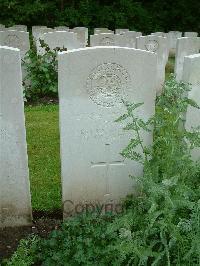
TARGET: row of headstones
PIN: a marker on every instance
(92, 82)
(121, 37)
(78, 37)
(157, 43)
(18, 37)
(96, 30)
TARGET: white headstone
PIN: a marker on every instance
(15, 202)
(38, 27)
(185, 46)
(61, 28)
(130, 37)
(173, 36)
(102, 30)
(191, 34)
(59, 39)
(108, 39)
(38, 31)
(158, 45)
(92, 83)
(16, 39)
(18, 27)
(120, 31)
(159, 33)
(82, 34)
(2, 27)
(191, 74)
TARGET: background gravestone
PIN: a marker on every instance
(82, 35)
(16, 39)
(159, 33)
(93, 171)
(38, 31)
(59, 39)
(191, 74)
(2, 27)
(173, 36)
(120, 31)
(108, 39)
(190, 34)
(130, 37)
(15, 202)
(102, 30)
(185, 46)
(158, 45)
(18, 27)
(37, 27)
(61, 28)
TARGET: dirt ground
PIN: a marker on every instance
(43, 224)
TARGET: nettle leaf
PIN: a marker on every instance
(131, 126)
(132, 106)
(132, 144)
(143, 125)
(130, 154)
(122, 118)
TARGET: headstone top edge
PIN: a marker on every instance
(193, 56)
(10, 48)
(106, 48)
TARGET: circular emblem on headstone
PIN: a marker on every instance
(12, 41)
(108, 83)
(107, 41)
(152, 46)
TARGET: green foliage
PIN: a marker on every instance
(42, 131)
(161, 225)
(83, 240)
(25, 253)
(42, 72)
(146, 16)
(168, 231)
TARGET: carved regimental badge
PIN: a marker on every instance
(152, 46)
(108, 84)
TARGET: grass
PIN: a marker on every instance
(44, 153)
(44, 156)
(169, 67)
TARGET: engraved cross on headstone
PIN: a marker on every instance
(107, 164)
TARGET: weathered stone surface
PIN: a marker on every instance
(59, 39)
(61, 28)
(173, 36)
(191, 74)
(18, 27)
(160, 34)
(120, 31)
(38, 27)
(191, 34)
(15, 39)
(130, 37)
(2, 27)
(82, 35)
(15, 203)
(108, 39)
(37, 31)
(158, 45)
(102, 30)
(185, 46)
(93, 171)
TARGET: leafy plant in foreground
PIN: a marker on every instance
(167, 231)
(161, 225)
(42, 72)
